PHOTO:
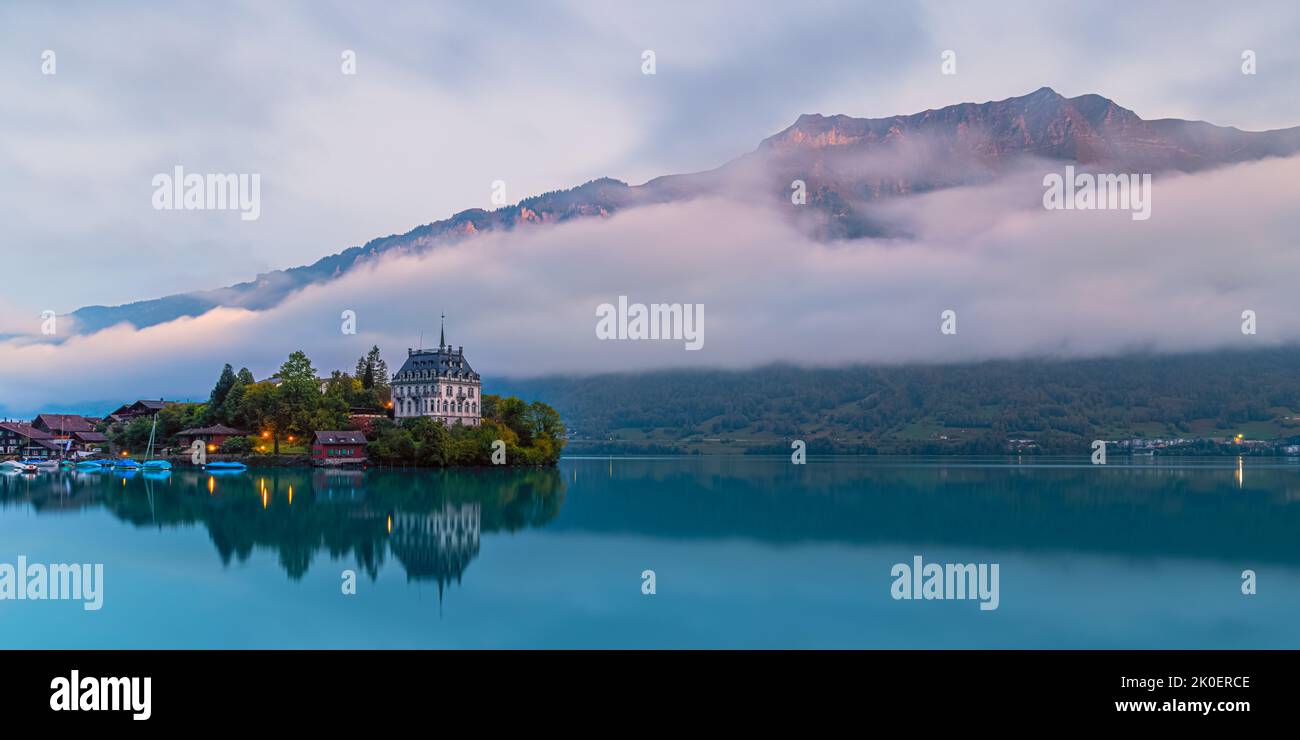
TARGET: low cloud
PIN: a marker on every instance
(1023, 281)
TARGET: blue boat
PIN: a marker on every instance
(232, 466)
(154, 464)
(93, 465)
(126, 463)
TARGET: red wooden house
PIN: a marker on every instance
(339, 448)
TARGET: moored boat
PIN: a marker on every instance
(13, 466)
(232, 466)
(154, 464)
(41, 463)
(222, 466)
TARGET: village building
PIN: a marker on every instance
(364, 419)
(213, 436)
(90, 440)
(62, 426)
(24, 440)
(130, 411)
(438, 383)
(339, 448)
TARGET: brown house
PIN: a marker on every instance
(213, 436)
(62, 426)
(89, 440)
(24, 440)
(139, 408)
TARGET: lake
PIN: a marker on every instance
(746, 552)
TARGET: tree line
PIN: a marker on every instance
(290, 404)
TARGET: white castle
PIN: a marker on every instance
(438, 383)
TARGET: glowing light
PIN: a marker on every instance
(290, 437)
(212, 448)
(212, 485)
(390, 523)
(265, 435)
(123, 453)
(264, 498)
(291, 494)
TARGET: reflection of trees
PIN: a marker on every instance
(437, 516)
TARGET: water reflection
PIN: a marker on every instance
(429, 521)
(755, 552)
(433, 522)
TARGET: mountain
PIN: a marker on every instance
(967, 408)
(846, 163)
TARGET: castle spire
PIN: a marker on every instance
(442, 333)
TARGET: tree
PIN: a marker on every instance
(297, 370)
(263, 407)
(231, 408)
(225, 382)
(511, 412)
(372, 371)
(432, 440)
(246, 375)
(134, 435)
(238, 446)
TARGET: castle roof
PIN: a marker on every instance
(443, 362)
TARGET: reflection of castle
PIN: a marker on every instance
(300, 515)
(436, 546)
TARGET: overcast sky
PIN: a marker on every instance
(449, 97)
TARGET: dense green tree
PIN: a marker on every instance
(263, 407)
(238, 446)
(231, 409)
(220, 391)
(133, 436)
(372, 371)
(426, 442)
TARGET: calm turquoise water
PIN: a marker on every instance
(747, 552)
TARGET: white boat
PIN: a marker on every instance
(13, 466)
(41, 463)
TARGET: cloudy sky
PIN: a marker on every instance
(449, 97)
